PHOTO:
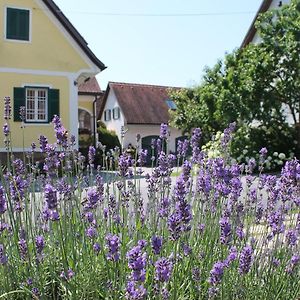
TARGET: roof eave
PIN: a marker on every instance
(252, 30)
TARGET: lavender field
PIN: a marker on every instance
(206, 236)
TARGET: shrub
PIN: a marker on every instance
(212, 236)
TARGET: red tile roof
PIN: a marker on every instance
(141, 103)
(89, 87)
(252, 30)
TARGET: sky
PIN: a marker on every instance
(161, 42)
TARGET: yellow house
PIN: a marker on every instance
(90, 96)
(43, 60)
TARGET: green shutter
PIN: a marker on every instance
(17, 24)
(53, 104)
(19, 100)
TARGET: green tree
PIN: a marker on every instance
(259, 83)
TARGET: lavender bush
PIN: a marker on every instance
(223, 233)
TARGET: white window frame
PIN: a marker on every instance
(5, 23)
(36, 90)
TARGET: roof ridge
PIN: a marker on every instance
(142, 84)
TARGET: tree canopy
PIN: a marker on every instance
(259, 83)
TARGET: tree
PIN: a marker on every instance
(258, 83)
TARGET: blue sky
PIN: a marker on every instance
(162, 50)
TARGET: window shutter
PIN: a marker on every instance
(19, 100)
(53, 104)
(17, 24)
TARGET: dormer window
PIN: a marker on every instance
(17, 24)
(171, 104)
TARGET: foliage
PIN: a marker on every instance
(257, 84)
(208, 236)
(278, 138)
(108, 138)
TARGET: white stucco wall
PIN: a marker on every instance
(146, 130)
(114, 125)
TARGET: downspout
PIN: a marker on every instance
(94, 121)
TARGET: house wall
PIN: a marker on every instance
(33, 131)
(51, 58)
(114, 125)
(146, 130)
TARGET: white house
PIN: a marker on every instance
(253, 37)
(138, 109)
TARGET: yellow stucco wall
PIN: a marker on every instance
(33, 131)
(86, 102)
(51, 59)
(48, 49)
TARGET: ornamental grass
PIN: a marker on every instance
(217, 231)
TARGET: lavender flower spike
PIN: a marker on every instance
(245, 260)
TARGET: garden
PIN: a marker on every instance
(218, 230)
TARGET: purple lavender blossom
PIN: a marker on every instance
(142, 157)
(240, 232)
(227, 134)
(23, 249)
(245, 260)
(91, 232)
(137, 261)
(113, 246)
(163, 269)
(51, 197)
(22, 113)
(187, 250)
(195, 144)
(163, 131)
(3, 206)
(96, 248)
(275, 220)
(164, 207)
(60, 132)
(142, 244)
(69, 274)
(43, 143)
(91, 155)
(135, 292)
(92, 198)
(3, 257)
(156, 243)
(174, 225)
(232, 256)
(124, 162)
(216, 273)
(35, 291)
(7, 108)
(293, 263)
(291, 237)
(39, 244)
(6, 130)
(225, 226)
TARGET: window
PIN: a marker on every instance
(116, 113)
(171, 104)
(41, 104)
(17, 24)
(107, 115)
(36, 105)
